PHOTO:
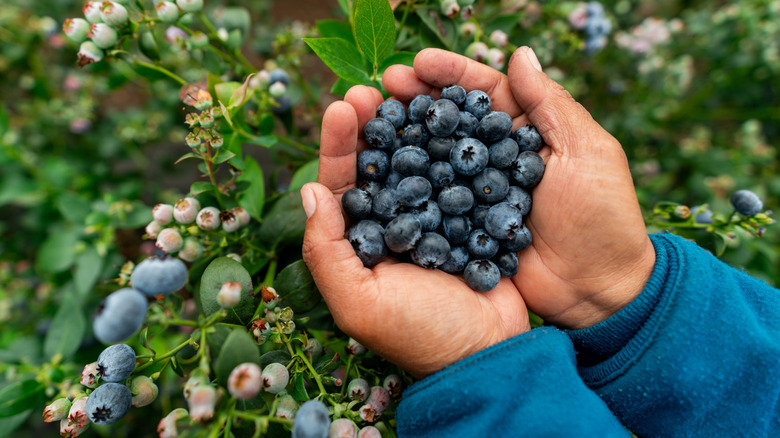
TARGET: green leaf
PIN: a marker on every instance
(263, 140)
(225, 90)
(253, 198)
(239, 347)
(67, 329)
(73, 207)
(216, 337)
(374, 29)
(298, 391)
(200, 187)
(239, 95)
(222, 156)
(89, 265)
(225, 114)
(327, 363)
(341, 57)
(218, 272)
(187, 155)
(344, 4)
(9, 424)
(341, 87)
(276, 356)
(285, 222)
(306, 174)
(20, 396)
(335, 29)
(296, 287)
(58, 252)
(405, 58)
(442, 27)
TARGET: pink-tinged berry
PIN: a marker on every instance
(496, 58)
(57, 410)
(144, 391)
(468, 29)
(313, 349)
(191, 250)
(242, 215)
(369, 432)
(89, 374)
(167, 12)
(379, 399)
(466, 12)
(449, 8)
(193, 140)
(394, 385)
(103, 35)
(229, 294)
(76, 29)
(499, 38)
(166, 428)
(245, 381)
(190, 5)
(578, 18)
(230, 222)
(113, 14)
(91, 12)
(275, 377)
(477, 51)
(153, 229)
(185, 210)
(76, 421)
(286, 407)
(355, 348)
(358, 389)
(169, 240)
(343, 428)
(277, 89)
(89, 53)
(163, 213)
(201, 402)
(208, 218)
(175, 36)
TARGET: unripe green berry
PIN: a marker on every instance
(206, 119)
(57, 410)
(144, 391)
(193, 140)
(275, 377)
(192, 250)
(167, 11)
(89, 52)
(76, 29)
(199, 40)
(113, 13)
(91, 12)
(190, 5)
(277, 89)
(103, 35)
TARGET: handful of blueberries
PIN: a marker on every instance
(450, 191)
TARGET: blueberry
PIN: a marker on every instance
(279, 75)
(467, 124)
(283, 104)
(507, 263)
(481, 245)
(120, 315)
(528, 138)
(495, 126)
(311, 421)
(442, 118)
(385, 205)
(503, 221)
(441, 174)
(372, 187)
(455, 199)
(503, 153)
(373, 165)
(703, 216)
(478, 103)
(478, 215)
(469, 156)
(528, 169)
(368, 240)
(402, 233)
(418, 108)
(412, 191)
(411, 161)
(598, 26)
(415, 135)
(429, 215)
(379, 133)
(456, 229)
(521, 241)
(490, 185)
(439, 148)
(116, 363)
(520, 199)
(455, 93)
(356, 203)
(457, 261)
(108, 403)
(481, 275)
(393, 111)
(432, 250)
(159, 276)
(393, 179)
(594, 9)
(746, 202)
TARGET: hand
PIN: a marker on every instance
(591, 254)
(420, 319)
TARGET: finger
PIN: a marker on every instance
(338, 147)
(365, 100)
(402, 82)
(441, 68)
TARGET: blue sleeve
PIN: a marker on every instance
(697, 353)
(525, 386)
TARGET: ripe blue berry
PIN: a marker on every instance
(393, 111)
(442, 118)
(159, 276)
(478, 215)
(379, 133)
(412, 191)
(108, 403)
(431, 251)
(372, 187)
(373, 165)
(392, 180)
(455, 93)
(521, 241)
(469, 156)
(356, 203)
(703, 215)
(403, 232)
(418, 108)
(495, 126)
(411, 161)
(481, 245)
(456, 229)
(439, 148)
(385, 205)
(120, 315)
(415, 135)
(528, 138)
(528, 169)
(467, 124)
(503, 153)
(311, 420)
(441, 174)
(457, 261)
(481, 275)
(507, 263)
(429, 214)
(116, 363)
(368, 240)
(279, 75)
(520, 199)
(478, 103)
(746, 202)
(455, 199)
(503, 221)
(490, 185)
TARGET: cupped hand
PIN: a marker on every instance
(590, 254)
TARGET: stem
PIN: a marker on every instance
(183, 322)
(406, 14)
(346, 375)
(162, 70)
(295, 144)
(164, 356)
(314, 373)
(271, 274)
(212, 177)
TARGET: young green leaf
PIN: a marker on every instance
(374, 29)
(67, 329)
(341, 57)
(20, 396)
(252, 198)
(306, 174)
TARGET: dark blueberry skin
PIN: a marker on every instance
(478, 103)
(704, 216)
(478, 215)
(528, 138)
(495, 126)
(456, 263)
(279, 75)
(372, 187)
(312, 420)
(528, 169)
(411, 161)
(490, 185)
(507, 263)
(120, 315)
(429, 214)
(432, 251)
(469, 156)
(455, 93)
(379, 133)
(402, 233)
(442, 118)
(356, 203)
(481, 275)
(159, 276)
(441, 174)
(418, 108)
(520, 199)
(503, 153)
(385, 205)
(368, 240)
(456, 229)
(481, 245)
(503, 221)
(393, 111)
(415, 135)
(108, 403)
(373, 165)
(393, 179)
(439, 148)
(455, 200)
(467, 124)
(116, 363)
(746, 202)
(413, 191)
(521, 241)
(283, 104)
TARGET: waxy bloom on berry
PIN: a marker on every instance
(185, 210)
(208, 218)
(167, 12)
(201, 401)
(89, 53)
(91, 12)
(113, 14)
(245, 381)
(275, 377)
(76, 29)
(169, 240)
(163, 213)
(229, 294)
(103, 35)
(153, 229)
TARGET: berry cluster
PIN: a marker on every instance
(589, 18)
(450, 191)
(276, 82)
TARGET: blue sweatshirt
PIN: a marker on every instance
(696, 354)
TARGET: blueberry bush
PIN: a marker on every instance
(152, 153)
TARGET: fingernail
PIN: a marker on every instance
(529, 52)
(308, 200)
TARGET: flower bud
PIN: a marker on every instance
(167, 12)
(89, 53)
(185, 210)
(277, 89)
(191, 250)
(245, 381)
(394, 385)
(286, 407)
(270, 297)
(163, 213)
(499, 38)
(113, 14)
(355, 348)
(201, 402)
(91, 12)
(77, 420)
(229, 221)
(342, 428)
(229, 294)
(369, 432)
(144, 391)
(153, 229)
(208, 218)
(477, 51)
(496, 58)
(103, 35)
(57, 410)
(275, 377)
(89, 374)
(166, 428)
(190, 5)
(169, 240)
(76, 29)
(358, 389)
